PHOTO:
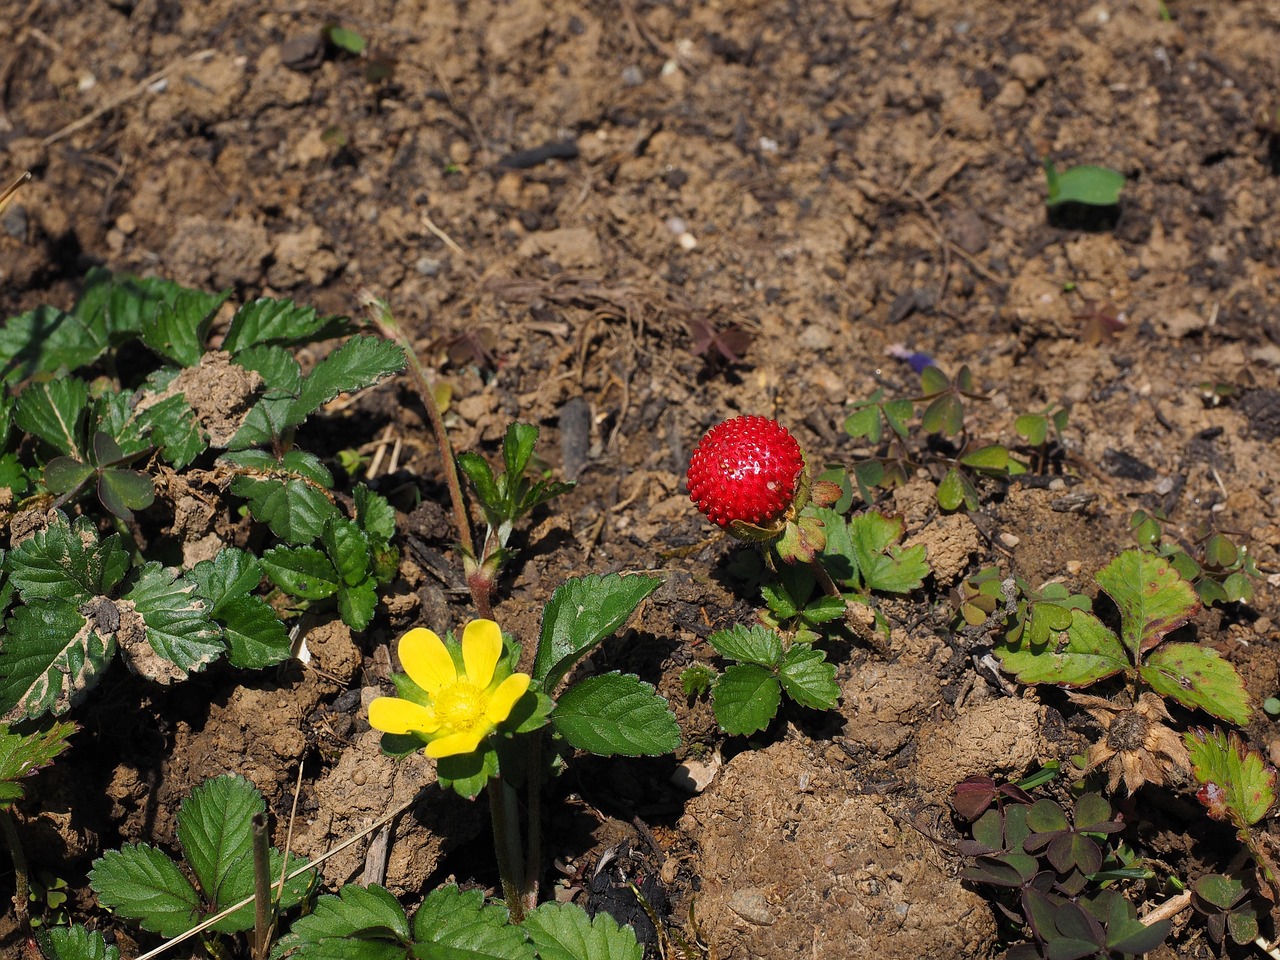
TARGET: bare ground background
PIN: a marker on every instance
(832, 178)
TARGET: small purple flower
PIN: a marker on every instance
(917, 361)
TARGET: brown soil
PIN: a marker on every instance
(831, 178)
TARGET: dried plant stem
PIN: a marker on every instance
(263, 912)
(424, 383)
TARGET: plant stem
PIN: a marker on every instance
(533, 853)
(424, 383)
(261, 888)
(506, 844)
(21, 889)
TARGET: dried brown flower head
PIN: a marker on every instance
(1138, 746)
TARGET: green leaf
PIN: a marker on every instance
(358, 363)
(140, 883)
(50, 659)
(54, 411)
(356, 604)
(269, 417)
(1240, 787)
(480, 474)
(1152, 598)
(463, 922)
(68, 561)
(517, 449)
(951, 492)
(1094, 186)
(172, 427)
(254, 635)
(933, 381)
(215, 830)
(1090, 653)
(348, 548)
(347, 40)
(1032, 427)
(993, 458)
(295, 510)
(808, 679)
(1196, 676)
(745, 698)
(231, 575)
(123, 491)
(866, 422)
(375, 514)
(178, 625)
(301, 571)
(616, 713)
(75, 943)
(881, 563)
(748, 644)
(945, 415)
(563, 931)
(361, 923)
(581, 613)
(22, 754)
(1222, 891)
(44, 340)
(278, 322)
(64, 474)
(177, 326)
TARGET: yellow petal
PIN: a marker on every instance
(456, 744)
(503, 699)
(393, 715)
(481, 648)
(426, 660)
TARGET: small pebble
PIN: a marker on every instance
(1010, 540)
(751, 904)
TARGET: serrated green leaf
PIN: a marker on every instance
(308, 466)
(1196, 676)
(50, 660)
(1090, 652)
(138, 882)
(178, 626)
(177, 326)
(214, 828)
(745, 698)
(616, 713)
(361, 923)
(581, 613)
(45, 339)
(825, 609)
(68, 561)
(22, 754)
(357, 603)
(563, 931)
(254, 635)
(55, 411)
(881, 563)
(172, 426)
(748, 644)
(808, 679)
(268, 418)
(358, 363)
(75, 943)
(517, 449)
(348, 549)
(375, 514)
(477, 470)
(231, 575)
(1240, 787)
(301, 571)
(461, 921)
(295, 510)
(1153, 599)
(278, 322)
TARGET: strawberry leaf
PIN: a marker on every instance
(1196, 676)
(1152, 598)
(616, 713)
(1238, 786)
(1090, 653)
(745, 698)
(23, 754)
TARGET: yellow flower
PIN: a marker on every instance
(461, 710)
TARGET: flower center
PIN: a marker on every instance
(460, 707)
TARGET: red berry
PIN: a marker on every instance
(745, 469)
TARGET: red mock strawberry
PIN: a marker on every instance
(747, 471)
